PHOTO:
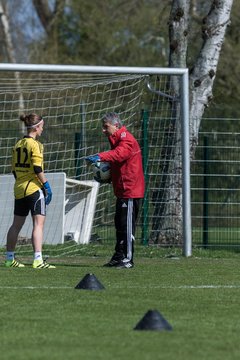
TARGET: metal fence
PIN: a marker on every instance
(215, 185)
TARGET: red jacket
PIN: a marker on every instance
(126, 165)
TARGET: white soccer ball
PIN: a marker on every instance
(102, 171)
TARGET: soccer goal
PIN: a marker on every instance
(153, 104)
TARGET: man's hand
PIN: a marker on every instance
(92, 159)
(48, 192)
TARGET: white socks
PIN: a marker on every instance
(10, 255)
(38, 255)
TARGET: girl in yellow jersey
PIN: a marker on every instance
(31, 190)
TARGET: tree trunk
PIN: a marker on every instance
(204, 71)
(50, 20)
(10, 51)
(167, 226)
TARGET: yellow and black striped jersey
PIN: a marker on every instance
(27, 154)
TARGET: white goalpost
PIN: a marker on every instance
(72, 100)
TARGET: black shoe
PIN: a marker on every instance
(125, 264)
(112, 263)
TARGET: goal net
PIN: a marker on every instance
(72, 104)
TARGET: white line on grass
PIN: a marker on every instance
(185, 287)
(35, 287)
(206, 287)
(152, 287)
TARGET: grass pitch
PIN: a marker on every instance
(44, 316)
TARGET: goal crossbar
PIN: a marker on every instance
(92, 69)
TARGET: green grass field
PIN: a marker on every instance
(43, 316)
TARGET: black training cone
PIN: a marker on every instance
(89, 282)
(153, 320)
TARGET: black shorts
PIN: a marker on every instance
(34, 203)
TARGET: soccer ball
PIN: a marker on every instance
(102, 171)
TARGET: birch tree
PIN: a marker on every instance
(168, 229)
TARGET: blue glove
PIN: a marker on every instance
(48, 193)
(92, 159)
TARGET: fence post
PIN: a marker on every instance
(145, 118)
(205, 191)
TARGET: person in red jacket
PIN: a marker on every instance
(128, 184)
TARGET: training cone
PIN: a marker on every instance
(153, 320)
(89, 282)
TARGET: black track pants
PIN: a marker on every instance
(125, 224)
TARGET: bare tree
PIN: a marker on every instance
(50, 18)
(9, 49)
(167, 227)
(47, 16)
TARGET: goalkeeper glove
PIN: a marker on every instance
(92, 159)
(47, 192)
